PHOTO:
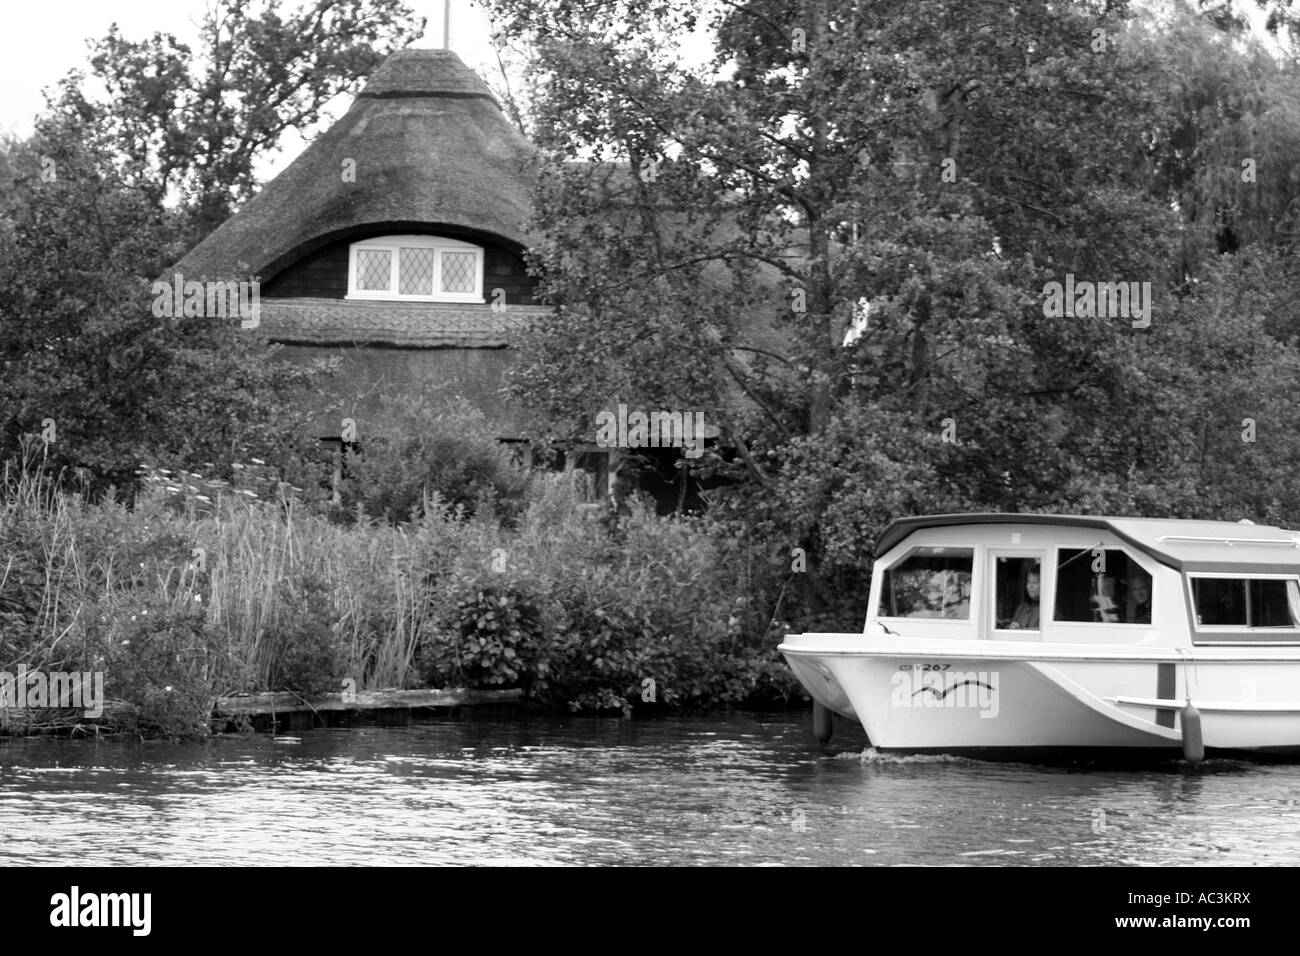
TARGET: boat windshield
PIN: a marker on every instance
(928, 582)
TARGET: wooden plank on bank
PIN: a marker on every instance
(287, 702)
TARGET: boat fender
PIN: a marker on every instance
(1193, 744)
(821, 722)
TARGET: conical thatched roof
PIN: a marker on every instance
(431, 151)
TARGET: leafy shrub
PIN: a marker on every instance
(496, 640)
(666, 601)
(610, 651)
(291, 600)
(159, 660)
(422, 456)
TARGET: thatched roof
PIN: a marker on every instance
(431, 149)
(402, 324)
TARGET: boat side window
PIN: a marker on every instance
(1017, 582)
(1101, 586)
(1246, 602)
(928, 582)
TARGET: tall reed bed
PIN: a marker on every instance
(184, 597)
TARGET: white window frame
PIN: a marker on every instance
(392, 244)
(1237, 633)
(1055, 555)
(991, 555)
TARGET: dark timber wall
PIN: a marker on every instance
(324, 275)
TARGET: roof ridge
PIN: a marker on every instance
(417, 73)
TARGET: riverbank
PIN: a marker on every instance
(180, 597)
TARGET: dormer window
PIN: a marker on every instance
(415, 268)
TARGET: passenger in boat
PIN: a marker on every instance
(1139, 601)
(1026, 616)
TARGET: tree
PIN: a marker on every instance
(17, 159)
(86, 364)
(1224, 150)
(934, 173)
(189, 123)
(108, 193)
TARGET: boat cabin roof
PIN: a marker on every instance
(1182, 544)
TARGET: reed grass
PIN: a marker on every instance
(106, 585)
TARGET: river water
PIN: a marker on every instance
(741, 789)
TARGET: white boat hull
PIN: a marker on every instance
(1005, 698)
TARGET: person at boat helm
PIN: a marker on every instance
(1139, 601)
(943, 597)
(1026, 616)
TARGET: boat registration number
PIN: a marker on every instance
(924, 667)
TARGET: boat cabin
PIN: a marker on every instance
(1078, 580)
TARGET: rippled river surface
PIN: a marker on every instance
(742, 789)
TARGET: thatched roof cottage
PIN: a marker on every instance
(396, 242)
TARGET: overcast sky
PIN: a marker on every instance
(42, 41)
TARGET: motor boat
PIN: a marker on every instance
(1020, 636)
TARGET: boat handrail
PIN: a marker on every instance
(1288, 542)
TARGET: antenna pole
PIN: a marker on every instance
(446, 24)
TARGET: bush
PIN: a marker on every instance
(610, 651)
(496, 641)
(288, 599)
(668, 601)
(423, 457)
(305, 652)
(156, 658)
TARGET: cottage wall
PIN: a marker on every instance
(324, 274)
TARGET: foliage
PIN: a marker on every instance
(420, 451)
(191, 122)
(498, 641)
(88, 368)
(669, 605)
(158, 663)
(303, 647)
(108, 192)
(18, 160)
(834, 237)
(244, 595)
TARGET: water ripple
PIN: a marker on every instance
(743, 789)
